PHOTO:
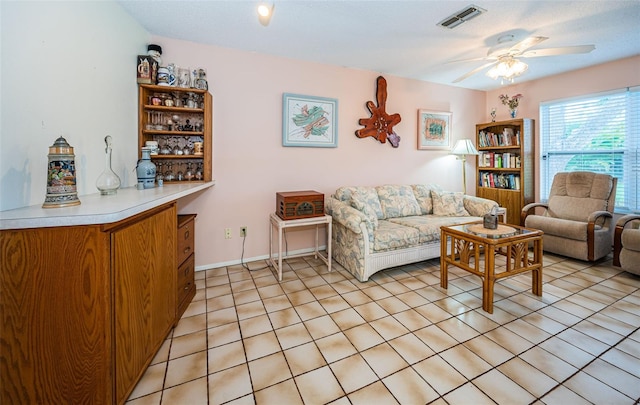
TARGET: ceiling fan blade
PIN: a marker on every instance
(565, 50)
(471, 59)
(526, 44)
(474, 71)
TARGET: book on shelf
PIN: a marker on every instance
(500, 180)
(488, 139)
(497, 160)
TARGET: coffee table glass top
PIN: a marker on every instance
(503, 230)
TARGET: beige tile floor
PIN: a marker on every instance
(320, 337)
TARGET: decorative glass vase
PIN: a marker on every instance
(108, 182)
(513, 112)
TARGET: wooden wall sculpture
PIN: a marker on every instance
(380, 125)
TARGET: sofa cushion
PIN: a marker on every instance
(397, 201)
(391, 236)
(428, 226)
(448, 204)
(576, 230)
(359, 202)
(631, 239)
(422, 192)
(369, 194)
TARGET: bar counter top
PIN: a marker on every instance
(99, 209)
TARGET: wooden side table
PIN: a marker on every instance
(280, 225)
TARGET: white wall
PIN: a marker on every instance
(250, 164)
(67, 70)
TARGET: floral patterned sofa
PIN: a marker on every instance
(375, 228)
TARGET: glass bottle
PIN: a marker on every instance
(180, 176)
(168, 175)
(108, 182)
(188, 175)
(199, 171)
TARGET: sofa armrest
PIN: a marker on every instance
(345, 214)
(478, 206)
(526, 210)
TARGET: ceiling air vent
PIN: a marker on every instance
(461, 16)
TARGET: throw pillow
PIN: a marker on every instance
(359, 202)
(448, 204)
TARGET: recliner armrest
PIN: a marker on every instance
(622, 222)
(529, 207)
(596, 215)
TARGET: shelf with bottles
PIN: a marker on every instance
(179, 122)
(181, 171)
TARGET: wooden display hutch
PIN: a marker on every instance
(505, 166)
(177, 124)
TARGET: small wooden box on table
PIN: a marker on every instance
(464, 244)
(280, 225)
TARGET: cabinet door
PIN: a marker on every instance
(144, 257)
(55, 339)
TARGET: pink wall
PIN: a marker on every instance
(251, 165)
(600, 78)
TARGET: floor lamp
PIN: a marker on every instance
(463, 148)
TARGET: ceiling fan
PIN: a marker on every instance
(503, 58)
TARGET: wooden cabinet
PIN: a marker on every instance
(186, 287)
(505, 165)
(85, 308)
(177, 128)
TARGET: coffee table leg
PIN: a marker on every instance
(443, 263)
(489, 279)
(536, 274)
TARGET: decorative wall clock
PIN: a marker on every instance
(380, 125)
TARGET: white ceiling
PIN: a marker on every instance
(400, 37)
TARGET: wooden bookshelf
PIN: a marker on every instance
(505, 166)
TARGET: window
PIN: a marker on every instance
(598, 133)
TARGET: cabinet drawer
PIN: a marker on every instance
(186, 288)
(186, 236)
(185, 277)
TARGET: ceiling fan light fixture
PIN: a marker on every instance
(507, 69)
(265, 12)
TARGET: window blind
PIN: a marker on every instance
(598, 133)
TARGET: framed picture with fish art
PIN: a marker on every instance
(309, 121)
(434, 130)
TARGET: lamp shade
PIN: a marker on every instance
(464, 147)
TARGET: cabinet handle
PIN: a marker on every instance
(187, 249)
(186, 235)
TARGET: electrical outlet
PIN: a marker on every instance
(243, 231)
(227, 233)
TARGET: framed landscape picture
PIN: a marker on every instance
(434, 130)
(309, 121)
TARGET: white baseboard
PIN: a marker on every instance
(253, 259)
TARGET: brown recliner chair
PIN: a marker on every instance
(626, 244)
(578, 219)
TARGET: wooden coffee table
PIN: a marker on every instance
(465, 243)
